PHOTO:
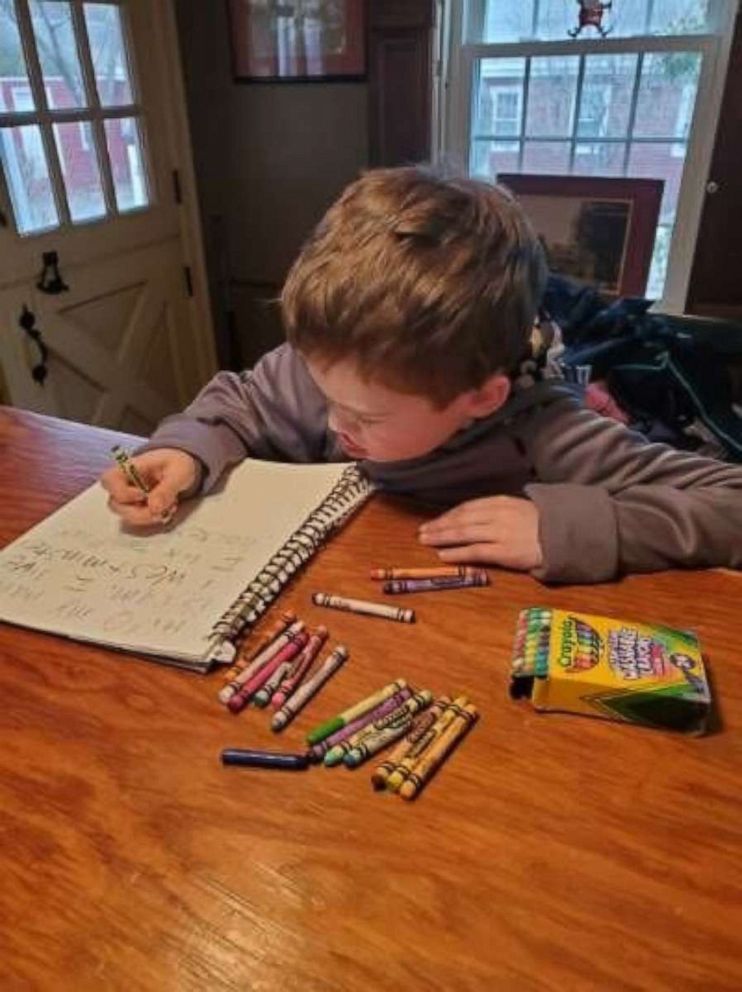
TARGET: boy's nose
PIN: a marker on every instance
(337, 422)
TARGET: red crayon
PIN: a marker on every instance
(240, 699)
(300, 667)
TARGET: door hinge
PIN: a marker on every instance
(177, 190)
(188, 276)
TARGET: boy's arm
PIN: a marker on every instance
(610, 502)
(274, 411)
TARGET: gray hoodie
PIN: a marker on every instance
(609, 502)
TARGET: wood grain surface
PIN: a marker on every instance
(550, 853)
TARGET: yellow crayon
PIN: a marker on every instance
(403, 769)
(437, 753)
(400, 752)
(129, 469)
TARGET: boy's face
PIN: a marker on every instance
(380, 424)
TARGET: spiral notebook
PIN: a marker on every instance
(184, 592)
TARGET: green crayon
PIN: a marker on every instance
(342, 719)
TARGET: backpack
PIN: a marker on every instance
(670, 374)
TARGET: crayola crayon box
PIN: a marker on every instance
(615, 669)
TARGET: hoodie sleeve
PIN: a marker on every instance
(610, 502)
(274, 412)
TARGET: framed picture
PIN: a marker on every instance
(298, 41)
(596, 230)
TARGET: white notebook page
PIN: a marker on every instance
(79, 573)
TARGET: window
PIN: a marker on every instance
(623, 104)
(71, 143)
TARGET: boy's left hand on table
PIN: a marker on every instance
(499, 530)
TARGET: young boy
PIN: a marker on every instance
(409, 317)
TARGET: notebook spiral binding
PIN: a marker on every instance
(346, 496)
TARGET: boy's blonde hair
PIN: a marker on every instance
(429, 284)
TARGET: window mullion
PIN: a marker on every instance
(523, 113)
(93, 100)
(38, 91)
(648, 17)
(576, 115)
(534, 21)
(638, 68)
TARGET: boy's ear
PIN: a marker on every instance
(489, 397)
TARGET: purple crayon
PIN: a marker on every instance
(439, 582)
(318, 751)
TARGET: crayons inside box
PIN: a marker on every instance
(615, 669)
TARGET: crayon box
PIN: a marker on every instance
(615, 669)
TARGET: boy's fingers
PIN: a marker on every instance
(163, 499)
(476, 512)
(138, 515)
(485, 554)
(470, 533)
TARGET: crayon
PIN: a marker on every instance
(403, 769)
(269, 652)
(437, 753)
(129, 469)
(300, 667)
(407, 708)
(336, 745)
(264, 694)
(311, 687)
(318, 751)
(431, 585)
(364, 607)
(250, 651)
(343, 719)
(418, 730)
(385, 732)
(434, 572)
(243, 695)
(265, 759)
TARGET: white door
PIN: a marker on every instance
(96, 168)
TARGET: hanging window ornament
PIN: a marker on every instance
(591, 16)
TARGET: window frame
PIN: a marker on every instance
(454, 111)
(95, 113)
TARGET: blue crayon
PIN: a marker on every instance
(265, 759)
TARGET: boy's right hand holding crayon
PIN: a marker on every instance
(167, 473)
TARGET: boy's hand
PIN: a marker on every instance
(500, 530)
(167, 472)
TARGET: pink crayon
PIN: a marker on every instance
(318, 751)
(300, 667)
(240, 699)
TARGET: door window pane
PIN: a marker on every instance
(13, 73)
(552, 96)
(108, 51)
(77, 159)
(125, 152)
(27, 177)
(60, 62)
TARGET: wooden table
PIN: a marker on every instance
(551, 853)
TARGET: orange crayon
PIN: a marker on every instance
(434, 572)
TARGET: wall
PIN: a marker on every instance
(269, 159)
